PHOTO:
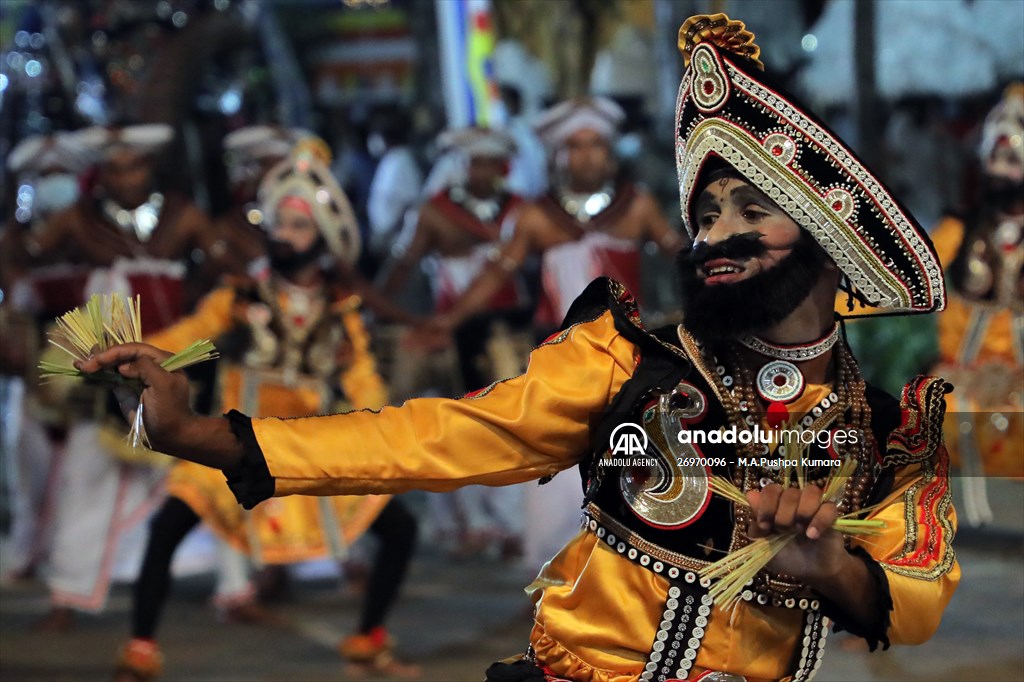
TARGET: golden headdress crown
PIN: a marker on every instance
(314, 147)
(720, 31)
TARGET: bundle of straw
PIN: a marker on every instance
(105, 321)
(736, 570)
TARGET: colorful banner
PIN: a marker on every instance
(466, 33)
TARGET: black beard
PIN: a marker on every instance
(728, 311)
(287, 261)
(1000, 193)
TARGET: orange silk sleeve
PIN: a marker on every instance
(516, 430)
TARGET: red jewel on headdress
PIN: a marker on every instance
(709, 87)
(777, 414)
(777, 150)
(837, 205)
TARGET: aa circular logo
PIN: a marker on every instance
(628, 439)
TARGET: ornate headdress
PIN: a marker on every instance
(305, 175)
(1004, 126)
(145, 138)
(37, 153)
(600, 114)
(477, 141)
(729, 109)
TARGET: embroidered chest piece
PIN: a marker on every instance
(666, 488)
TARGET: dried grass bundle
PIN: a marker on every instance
(105, 321)
(737, 569)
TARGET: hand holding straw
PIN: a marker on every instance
(734, 571)
(106, 321)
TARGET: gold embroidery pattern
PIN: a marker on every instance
(919, 435)
(938, 526)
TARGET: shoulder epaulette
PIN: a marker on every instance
(919, 434)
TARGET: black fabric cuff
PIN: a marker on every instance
(876, 632)
(251, 481)
(517, 671)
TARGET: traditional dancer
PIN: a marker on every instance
(981, 332)
(462, 225)
(781, 212)
(124, 235)
(590, 223)
(48, 166)
(296, 345)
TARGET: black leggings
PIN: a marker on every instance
(395, 529)
(167, 529)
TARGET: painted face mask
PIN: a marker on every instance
(1002, 138)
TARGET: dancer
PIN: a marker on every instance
(48, 165)
(129, 236)
(981, 332)
(462, 227)
(293, 342)
(782, 213)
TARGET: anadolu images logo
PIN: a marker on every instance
(628, 439)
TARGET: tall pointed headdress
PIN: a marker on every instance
(729, 109)
(305, 174)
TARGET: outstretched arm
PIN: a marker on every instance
(517, 430)
(398, 269)
(211, 319)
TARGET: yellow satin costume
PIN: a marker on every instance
(597, 613)
(298, 528)
(981, 347)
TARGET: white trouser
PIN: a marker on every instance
(233, 584)
(28, 456)
(99, 498)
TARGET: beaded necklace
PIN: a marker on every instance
(740, 402)
(584, 206)
(140, 221)
(793, 352)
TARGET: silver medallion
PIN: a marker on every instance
(780, 381)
